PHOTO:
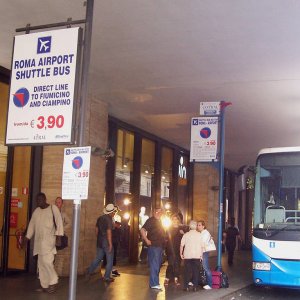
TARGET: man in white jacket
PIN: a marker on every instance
(45, 224)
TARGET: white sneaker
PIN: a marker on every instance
(190, 283)
(157, 287)
(207, 287)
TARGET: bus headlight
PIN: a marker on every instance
(261, 266)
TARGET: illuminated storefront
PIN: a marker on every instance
(145, 172)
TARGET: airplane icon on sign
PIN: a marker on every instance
(195, 121)
(44, 44)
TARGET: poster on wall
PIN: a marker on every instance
(204, 139)
(76, 173)
(43, 88)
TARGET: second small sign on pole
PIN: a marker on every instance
(76, 173)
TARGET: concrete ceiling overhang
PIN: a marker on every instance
(153, 62)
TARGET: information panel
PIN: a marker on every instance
(204, 139)
(42, 89)
(210, 108)
(76, 173)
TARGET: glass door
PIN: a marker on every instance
(146, 191)
(123, 186)
(19, 204)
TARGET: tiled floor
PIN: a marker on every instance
(131, 285)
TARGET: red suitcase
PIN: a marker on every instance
(216, 279)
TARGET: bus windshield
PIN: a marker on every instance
(277, 191)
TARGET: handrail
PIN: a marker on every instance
(275, 207)
(292, 211)
(292, 218)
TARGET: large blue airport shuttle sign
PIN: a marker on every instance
(43, 89)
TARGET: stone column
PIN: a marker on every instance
(206, 201)
(96, 131)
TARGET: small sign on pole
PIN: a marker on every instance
(204, 139)
(210, 108)
(76, 173)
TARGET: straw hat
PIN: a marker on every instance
(109, 208)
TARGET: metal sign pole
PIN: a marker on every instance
(74, 249)
(223, 105)
(84, 95)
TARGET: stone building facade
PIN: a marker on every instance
(199, 196)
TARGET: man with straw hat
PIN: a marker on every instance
(104, 227)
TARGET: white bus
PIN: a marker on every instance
(276, 218)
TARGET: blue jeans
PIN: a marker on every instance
(206, 268)
(100, 254)
(154, 260)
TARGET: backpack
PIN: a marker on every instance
(202, 276)
(224, 280)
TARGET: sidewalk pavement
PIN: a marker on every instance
(132, 284)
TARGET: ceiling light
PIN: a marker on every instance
(126, 216)
(126, 201)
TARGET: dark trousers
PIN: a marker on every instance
(191, 269)
(230, 250)
(173, 268)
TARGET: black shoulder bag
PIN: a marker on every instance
(61, 241)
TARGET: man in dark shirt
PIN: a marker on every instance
(229, 238)
(104, 227)
(116, 238)
(153, 234)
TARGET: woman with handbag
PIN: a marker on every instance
(66, 220)
(209, 245)
(62, 241)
